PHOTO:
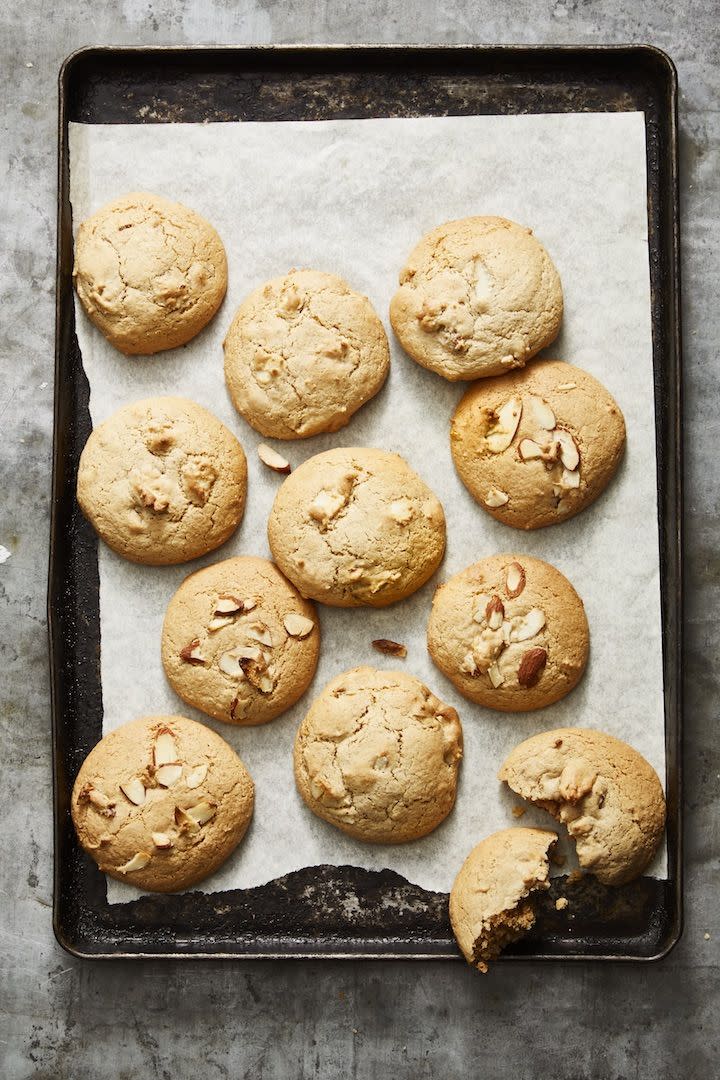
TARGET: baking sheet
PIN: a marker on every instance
(352, 197)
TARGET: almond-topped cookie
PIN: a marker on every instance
(161, 803)
(537, 446)
(510, 632)
(239, 642)
(477, 297)
(604, 791)
(162, 481)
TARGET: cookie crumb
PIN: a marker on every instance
(561, 903)
(706, 936)
(518, 811)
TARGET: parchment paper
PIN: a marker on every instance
(353, 197)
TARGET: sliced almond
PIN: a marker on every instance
(165, 749)
(528, 626)
(566, 386)
(161, 840)
(138, 862)
(201, 813)
(503, 431)
(495, 613)
(389, 648)
(495, 675)
(495, 497)
(248, 652)
(514, 580)
(192, 653)
(228, 605)
(134, 790)
(529, 449)
(569, 454)
(531, 666)
(249, 605)
(167, 775)
(100, 801)
(543, 413)
(297, 625)
(272, 459)
(258, 631)
(196, 776)
(482, 602)
(570, 479)
(229, 664)
(218, 621)
(184, 821)
(265, 684)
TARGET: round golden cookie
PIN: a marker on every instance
(489, 900)
(162, 481)
(510, 632)
(150, 273)
(378, 756)
(303, 354)
(477, 297)
(239, 642)
(354, 526)
(605, 792)
(161, 802)
(537, 446)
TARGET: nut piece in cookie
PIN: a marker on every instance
(510, 632)
(162, 481)
(477, 297)
(303, 354)
(239, 642)
(150, 273)
(606, 794)
(491, 899)
(356, 526)
(378, 756)
(161, 803)
(537, 446)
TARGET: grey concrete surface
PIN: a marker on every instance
(68, 1020)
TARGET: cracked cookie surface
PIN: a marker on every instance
(537, 446)
(489, 906)
(354, 526)
(478, 296)
(239, 642)
(150, 273)
(604, 791)
(303, 354)
(162, 481)
(161, 802)
(510, 632)
(378, 756)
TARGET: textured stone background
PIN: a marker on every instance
(67, 1020)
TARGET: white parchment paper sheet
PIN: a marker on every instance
(352, 198)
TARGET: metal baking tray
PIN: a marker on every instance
(343, 911)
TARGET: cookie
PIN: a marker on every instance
(537, 446)
(303, 354)
(239, 642)
(354, 526)
(489, 900)
(150, 273)
(162, 481)
(378, 756)
(477, 297)
(161, 802)
(605, 792)
(510, 632)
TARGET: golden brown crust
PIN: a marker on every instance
(161, 802)
(378, 756)
(162, 481)
(516, 468)
(226, 646)
(150, 273)
(605, 792)
(354, 526)
(510, 632)
(303, 354)
(477, 297)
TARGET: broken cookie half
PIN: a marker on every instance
(605, 792)
(491, 900)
